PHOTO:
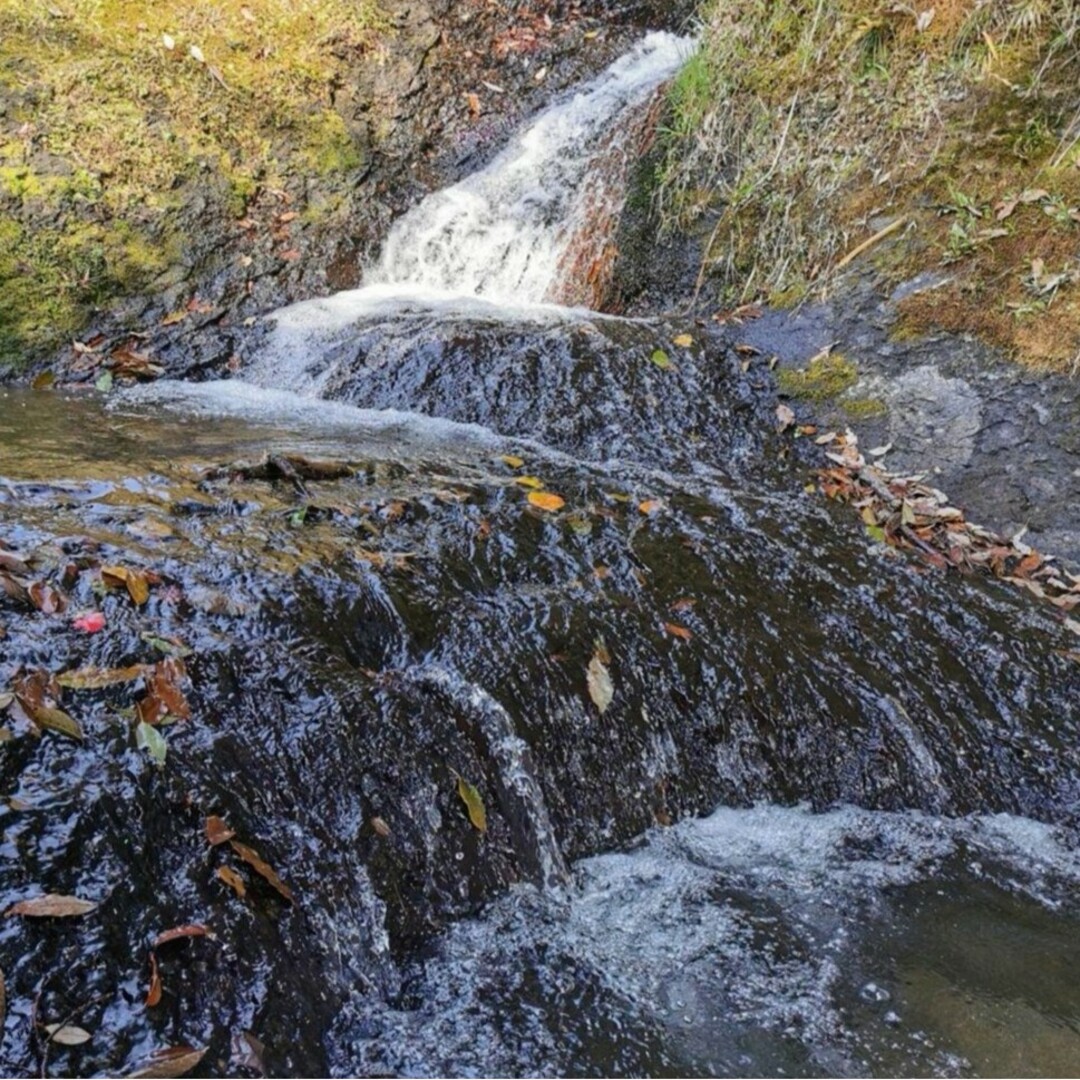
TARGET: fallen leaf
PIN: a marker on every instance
(473, 101)
(380, 827)
(46, 599)
(168, 646)
(601, 688)
(90, 623)
(683, 341)
(53, 720)
(545, 500)
(153, 994)
(512, 460)
(785, 417)
(263, 869)
(52, 906)
(171, 1062)
(678, 631)
(91, 678)
(104, 383)
(232, 879)
(217, 832)
(533, 482)
(138, 587)
(43, 381)
(474, 803)
(67, 1034)
(662, 360)
(685, 604)
(164, 697)
(196, 54)
(148, 738)
(188, 930)
(650, 506)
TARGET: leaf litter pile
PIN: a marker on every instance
(906, 513)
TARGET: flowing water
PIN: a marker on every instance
(889, 883)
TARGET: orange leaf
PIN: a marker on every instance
(545, 500)
(232, 879)
(651, 506)
(678, 631)
(263, 869)
(217, 832)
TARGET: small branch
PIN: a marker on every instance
(866, 245)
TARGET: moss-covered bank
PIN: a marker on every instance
(117, 115)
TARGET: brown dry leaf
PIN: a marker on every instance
(233, 879)
(263, 869)
(685, 604)
(46, 599)
(545, 500)
(217, 832)
(380, 827)
(92, 678)
(189, 930)
(473, 101)
(601, 687)
(678, 631)
(153, 994)
(164, 696)
(171, 1062)
(52, 906)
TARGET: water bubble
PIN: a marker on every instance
(872, 992)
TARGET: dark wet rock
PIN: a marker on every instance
(359, 642)
(998, 438)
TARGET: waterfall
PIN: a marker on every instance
(491, 246)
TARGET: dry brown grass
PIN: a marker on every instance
(801, 127)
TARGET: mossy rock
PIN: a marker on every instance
(823, 379)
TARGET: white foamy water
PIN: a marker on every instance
(769, 941)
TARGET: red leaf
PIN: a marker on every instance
(91, 622)
(153, 995)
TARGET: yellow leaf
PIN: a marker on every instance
(683, 341)
(601, 688)
(470, 796)
(545, 500)
(533, 482)
(512, 460)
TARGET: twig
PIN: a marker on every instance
(63, 1024)
(880, 235)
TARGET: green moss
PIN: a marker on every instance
(864, 408)
(328, 147)
(825, 378)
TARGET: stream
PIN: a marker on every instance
(760, 797)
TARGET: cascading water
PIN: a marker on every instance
(371, 653)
